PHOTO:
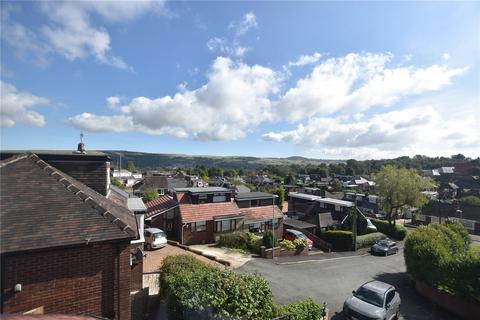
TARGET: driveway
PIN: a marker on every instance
(333, 280)
(235, 258)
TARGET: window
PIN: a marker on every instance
(390, 296)
(254, 203)
(256, 227)
(199, 226)
(275, 223)
(219, 197)
(202, 198)
(226, 225)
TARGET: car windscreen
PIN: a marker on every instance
(159, 235)
(369, 296)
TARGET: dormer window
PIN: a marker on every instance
(219, 197)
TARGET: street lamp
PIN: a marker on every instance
(273, 225)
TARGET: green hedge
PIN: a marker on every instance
(441, 256)
(369, 239)
(196, 290)
(341, 240)
(242, 240)
(398, 232)
(268, 238)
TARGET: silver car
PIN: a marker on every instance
(384, 247)
(374, 300)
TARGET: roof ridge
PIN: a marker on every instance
(13, 159)
(63, 179)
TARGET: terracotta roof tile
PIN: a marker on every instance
(159, 205)
(262, 213)
(207, 211)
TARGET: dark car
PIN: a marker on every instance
(384, 247)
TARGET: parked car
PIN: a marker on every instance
(154, 238)
(373, 300)
(384, 247)
(292, 234)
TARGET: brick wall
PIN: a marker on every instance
(206, 236)
(93, 279)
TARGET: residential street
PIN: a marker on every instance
(334, 279)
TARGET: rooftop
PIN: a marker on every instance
(260, 214)
(311, 197)
(208, 211)
(254, 195)
(203, 190)
(159, 205)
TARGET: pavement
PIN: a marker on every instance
(235, 258)
(333, 279)
(154, 258)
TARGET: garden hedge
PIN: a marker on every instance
(241, 240)
(196, 290)
(341, 240)
(442, 257)
(369, 239)
(398, 232)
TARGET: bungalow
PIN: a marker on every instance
(305, 204)
(66, 248)
(260, 211)
(164, 213)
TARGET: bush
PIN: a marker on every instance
(268, 238)
(441, 256)
(306, 309)
(398, 232)
(194, 287)
(369, 239)
(300, 244)
(244, 240)
(287, 245)
(341, 240)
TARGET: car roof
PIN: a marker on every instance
(296, 232)
(153, 230)
(378, 286)
(388, 241)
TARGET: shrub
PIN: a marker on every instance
(369, 239)
(306, 309)
(243, 240)
(398, 232)
(268, 238)
(300, 244)
(341, 240)
(287, 244)
(441, 256)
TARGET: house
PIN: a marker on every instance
(430, 173)
(359, 182)
(303, 205)
(240, 188)
(163, 184)
(206, 213)
(66, 248)
(164, 213)
(367, 203)
(260, 219)
(254, 199)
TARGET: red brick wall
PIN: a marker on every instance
(206, 236)
(77, 280)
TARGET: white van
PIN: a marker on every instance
(155, 238)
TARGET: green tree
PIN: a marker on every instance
(472, 200)
(150, 194)
(117, 183)
(131, 166)
(280, 192)
(398, 187)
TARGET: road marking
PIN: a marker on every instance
(331, 259)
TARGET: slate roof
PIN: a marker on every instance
(263, 213)
(299, 224)
(253, 195)
(207, 211)
(196, 190)
(42, 207)
(157, 182)
(159, 205)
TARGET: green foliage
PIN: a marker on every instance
(243, 240)
(397, 232)
(369, 239)
(268, 238)
(306, 309)
(472, 200)
(150, 194)
(280, 192)
(300, 244)
(195, 287)
(441, 256)
(398, 187)
(117, 183)
(131, 166)
(287, 244)
(341, 240)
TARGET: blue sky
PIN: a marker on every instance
(318, 79)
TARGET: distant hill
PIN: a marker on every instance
(155, 160)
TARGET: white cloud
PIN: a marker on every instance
(248, 22)
(226, 47)
(445, 56)
(358, 82)
(16, 107)
(305, 59)
(71, 33)
(234, 101)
